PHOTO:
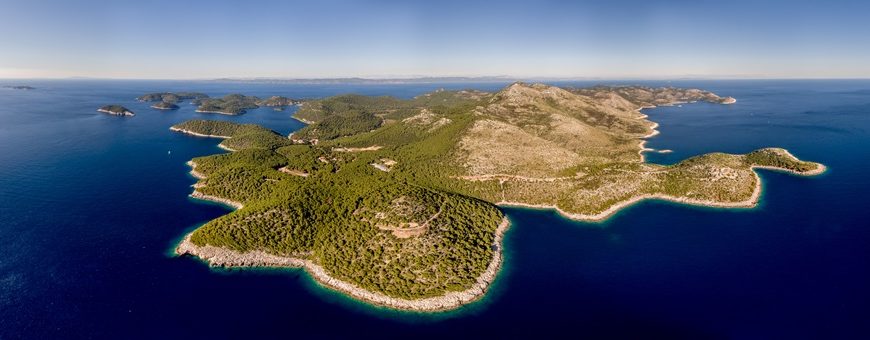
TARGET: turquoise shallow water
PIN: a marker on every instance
(90, 205)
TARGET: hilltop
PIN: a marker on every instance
(396, 201)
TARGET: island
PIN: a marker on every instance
(231, 104)
(277, 101)
(116, 110)
(170, 97)
(19, 87)
(396, 202)
(165, 106)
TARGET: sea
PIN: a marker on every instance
(92, 205)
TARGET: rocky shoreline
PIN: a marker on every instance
(221, 257)
(188, 132)
(193, 172)
(306, 121)
(199, 195)
(122, 113)
(222, 146)
(220, 112)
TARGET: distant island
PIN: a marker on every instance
(231, 104)
(19, 87)
(396, 202)
(165, 106)
(170, 97)
(277, 101)
(116, 110)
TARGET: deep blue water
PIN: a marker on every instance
(91, 205)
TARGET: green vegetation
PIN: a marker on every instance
(277, 101)
(352, 114)
(426, 226)
(172, 98)
(337, 126)
(350, 104)
(328, 216)
(165, 106)
(778, 158)
(231, 104)
(239, 136)
(217, 128)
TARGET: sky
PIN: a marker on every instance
(627, 39)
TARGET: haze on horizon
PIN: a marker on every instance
(386, 38)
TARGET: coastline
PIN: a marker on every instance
(214, 199)
(652, 132)
(127, 113)
(188, 132)
(163, 108)
(222, 146)
(193, 172)
(220, 112)
(221, 257)
(751, 202)
(307, 122)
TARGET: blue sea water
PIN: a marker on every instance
(91, 206)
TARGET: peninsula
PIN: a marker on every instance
(396, 202)
(116, 110)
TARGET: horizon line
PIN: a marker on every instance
(445, 78)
